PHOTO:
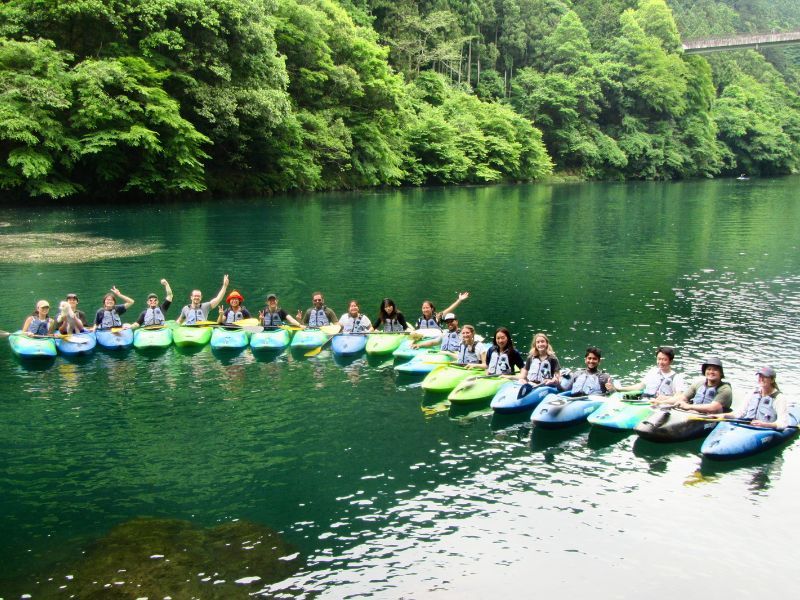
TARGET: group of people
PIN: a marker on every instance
(710, 395)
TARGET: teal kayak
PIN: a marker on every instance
(621, 412)
(480, 388)
(152, 337)
(447, 377)
(424, 362)
(404, 351)
(77, 344)
(271, 339)
(117, 338)
(31, 347)
(189, 335)
(231, 339)
(308, 339)
(384, 343)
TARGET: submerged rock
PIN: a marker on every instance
(67, 248)
(160, 558)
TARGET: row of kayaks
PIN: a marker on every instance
(217, 337)
(552, 409)
(549, 408)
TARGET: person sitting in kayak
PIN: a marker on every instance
(590, 380)
(502, 357)
(389, 318)
(109, 315)
(319, 314)
(75, 323)
(197, 310)
(708, 395)
(541, 366)
(235, 311)
(659, 382)
(40, 322)
(155, 314)
(273, 316)
(449, 341)
(766, 407)
(353, 321)
(430, 319)
(470, 351)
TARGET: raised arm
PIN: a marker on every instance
(218, 298)
(167, 290)
(461, 297)
(128, 301)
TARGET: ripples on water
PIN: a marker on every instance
(389, 493)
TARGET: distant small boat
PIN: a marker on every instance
(743, 177)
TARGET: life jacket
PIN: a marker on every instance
(499, 363)
(451, 341)
(194, 315)
(468, 356)
(761, 408)
(392, 325)
(272, 319)
(110, 319)
(586, 383)
(423, 323)
(232, 316)
(657, 383)
(354, 325)
(539, 370)
(705, 394)
(39, 326)
(318, 318)
(153, 316)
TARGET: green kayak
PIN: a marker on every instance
(189, 335)
(384, 343)
(445, 378)
(156, 336)
(475, 390)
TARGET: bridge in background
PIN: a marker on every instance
(739, 42)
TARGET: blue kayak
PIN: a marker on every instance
(565, 410)
(32, 347)
(231, 339)
(424, 362)
(512, 398)
(729, 441)
(115, 339)
(621, 412)
(271, 339)
(346, 344)
(77, 344)
(308, 339)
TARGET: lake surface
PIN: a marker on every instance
(384, 491)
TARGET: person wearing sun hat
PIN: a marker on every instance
(40, 322)
(273, 316)
(765, 407)
(709, 395)
(155, 314)
(235, 311)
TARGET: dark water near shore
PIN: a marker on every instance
(386, 492)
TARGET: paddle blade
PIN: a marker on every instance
(330, 329)
(313, 352)
(251, 322)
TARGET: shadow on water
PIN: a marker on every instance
(189, 350)
(268, 355)
(470, 412)
(600, 437)
(226, 355)
(380, 360)
(115, 353)
(542, 439)
(35, 364)
(503, 421)
(345, 360)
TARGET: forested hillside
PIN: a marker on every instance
(176, 97)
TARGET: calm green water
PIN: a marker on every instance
(386, 492)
